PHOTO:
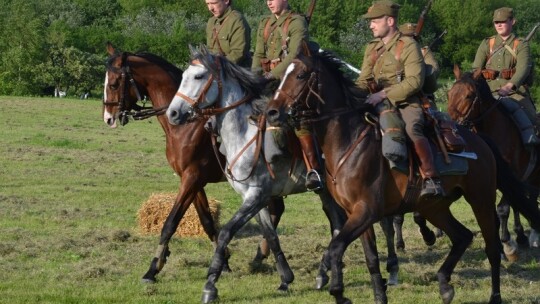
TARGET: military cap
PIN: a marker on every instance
(502, 14)
(382, 8)
(408, 29)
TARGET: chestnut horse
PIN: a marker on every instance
(362, 182)
(129, 78)
(472, 105)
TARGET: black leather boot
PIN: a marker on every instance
(313, 176)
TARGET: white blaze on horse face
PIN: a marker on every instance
(107, 116)
(289, 70)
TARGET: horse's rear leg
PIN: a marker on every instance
(276, 207)
(521, 238)
(398, 228)
(183, 200)
(509, 246)
(392, 263)
(427, 234)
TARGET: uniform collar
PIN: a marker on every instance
(226, 13)
(510, 38)
(283, 16)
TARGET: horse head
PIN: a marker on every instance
(211, 85)
(120, 89)
(313, 84)
(469, 97)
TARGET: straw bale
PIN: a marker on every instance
(155, 210)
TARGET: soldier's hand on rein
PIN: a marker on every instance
(506, 89)
(269, 76)
(375, 98)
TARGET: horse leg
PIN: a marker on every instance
(209, 226)
(427, 234)
(509, 247)
(398, 228)
(521, 238)
(392, 264)
(357, 224)
(486, 219)
(337, 217)
(460, 237)
(286, 274)
(183, 200)
(276, 207)
(250, 207)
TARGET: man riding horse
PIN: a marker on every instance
(506, 64)
(393, 70)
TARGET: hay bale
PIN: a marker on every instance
(155, 210)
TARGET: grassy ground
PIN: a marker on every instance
(70, 188)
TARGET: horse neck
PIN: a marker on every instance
(233, 125)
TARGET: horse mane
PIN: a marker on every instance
(250, 82)
(355, 97)
(171, 69)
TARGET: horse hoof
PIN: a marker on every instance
(321, 281)
(522, 240)
(429, 238)
(226, 268)
(283, 287)
(209, 296)
(148, 280)
(344, 301)
(448, 296)
(495, 299)
(510, 251)
(400, 246)
(393, 279)
(534, 239)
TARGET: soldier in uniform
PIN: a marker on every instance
(279, 39)
(393, 70)
(228, 33)
(506, 63)
(431, 65)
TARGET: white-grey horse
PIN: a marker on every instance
(256, 169)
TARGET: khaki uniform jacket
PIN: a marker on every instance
(385, 70)
(503, 59)
(296, 33)
(234, 37)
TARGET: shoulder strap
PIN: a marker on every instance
(285, 31)
(268, 29)
(216, 31)
(399, 67)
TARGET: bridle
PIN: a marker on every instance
(196, 112)
(464, 118)
(136, 111)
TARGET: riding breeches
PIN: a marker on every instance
(413, 116)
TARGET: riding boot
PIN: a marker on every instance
(432, 182)
(313, 176)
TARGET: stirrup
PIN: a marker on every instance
(432, 187)
(313, 180)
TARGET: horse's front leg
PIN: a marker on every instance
(249, 208)
(270, 235)
(398, 228)
(356, 225)
(509, 246)
(182, 202)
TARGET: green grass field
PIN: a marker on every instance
(70, 188)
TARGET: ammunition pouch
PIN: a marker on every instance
(508, 73)
(452, 140)
(490, 74)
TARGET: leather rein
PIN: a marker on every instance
(136, 111)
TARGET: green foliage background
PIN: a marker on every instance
(47, 44)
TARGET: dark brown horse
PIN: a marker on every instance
(360, 178)
(472, 105)
(131, 77)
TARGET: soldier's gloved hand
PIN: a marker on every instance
(268, 76)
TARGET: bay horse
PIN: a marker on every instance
(471, 104)
(213, 86)
(360, 178)
(129, 78)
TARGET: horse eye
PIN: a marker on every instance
(302, 75)
(114, 87)
(199, 76)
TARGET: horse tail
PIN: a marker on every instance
(516, 191)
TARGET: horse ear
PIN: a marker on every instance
(305, 49)
(110, 48)
(477, 73)
(457, 71)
